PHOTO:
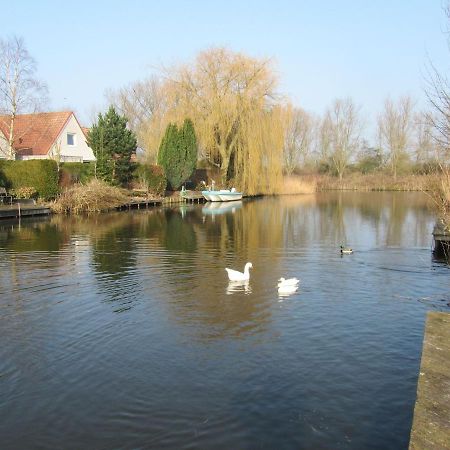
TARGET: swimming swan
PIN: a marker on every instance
(285, 291)
(346, 250)
(234, 275)
(288, 283)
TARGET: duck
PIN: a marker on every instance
(283, 282)
(234, 275)
(346, 250)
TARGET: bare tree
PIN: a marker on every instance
(438, 93)
(138, 102)
(298, 138)
(341, 128)
(20, 90)
(394, 128)
(426, 147)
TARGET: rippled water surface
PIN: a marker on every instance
(122, 331)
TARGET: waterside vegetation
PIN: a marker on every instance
(223, 113)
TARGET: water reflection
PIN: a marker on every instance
(214, 208)
(239, 287)
(32, 236)
(373, 219)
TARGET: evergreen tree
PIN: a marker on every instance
(112, 144)
(189, 148)
(178, 153)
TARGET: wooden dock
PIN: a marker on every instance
(431, 423)
(141, 204)
(185, 197)
(20, 210)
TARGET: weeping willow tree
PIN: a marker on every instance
(232, 101)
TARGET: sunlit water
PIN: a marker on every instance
(122, 331)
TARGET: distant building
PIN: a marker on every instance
(49, 135)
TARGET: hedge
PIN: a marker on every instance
(40, 174)
(78, 172)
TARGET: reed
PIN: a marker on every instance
(95, 196)
(376, 182)
(294, 184)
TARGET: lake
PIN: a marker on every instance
(122, 331)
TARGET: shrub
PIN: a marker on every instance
(151, 178)
(40, 174)
(95, 196)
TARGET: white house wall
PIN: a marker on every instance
(72, 153)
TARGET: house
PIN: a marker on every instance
(51, 135)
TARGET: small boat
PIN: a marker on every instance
(223, 195)
(206, 195)
(230, 196)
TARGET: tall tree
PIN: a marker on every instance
(438, 93)
(178, 153)
(341, 133)
(231, 100)
(298, 138)
(113, 144)
(189, 148)
(426, 148)
(394, 127)
(20, 90)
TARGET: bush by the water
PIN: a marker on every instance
(151, 178)
(40, 174)
(95, 196)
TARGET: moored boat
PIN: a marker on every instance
(230, 196)
(223, 195)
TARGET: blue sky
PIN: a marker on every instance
(321, 50)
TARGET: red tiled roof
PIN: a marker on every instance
(35, 133)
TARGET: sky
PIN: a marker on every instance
(366, 49)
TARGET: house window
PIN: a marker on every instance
(70, 139)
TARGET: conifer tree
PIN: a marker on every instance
(178, 153)
(112, 144)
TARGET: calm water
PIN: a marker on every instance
(121, 331)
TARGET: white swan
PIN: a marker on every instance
(285, 291)
(234, 275)
(290, 282)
